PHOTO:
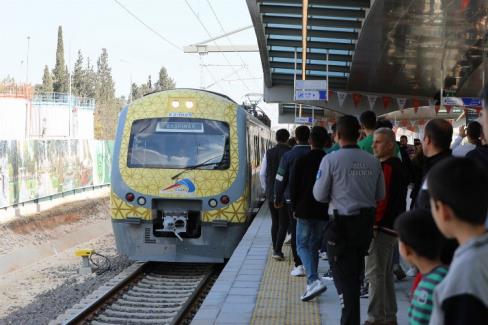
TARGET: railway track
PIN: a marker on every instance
(149, 293)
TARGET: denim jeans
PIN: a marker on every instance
(309, 238)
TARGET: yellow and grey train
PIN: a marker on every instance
(185, 175)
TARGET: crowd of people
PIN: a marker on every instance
(346, 193)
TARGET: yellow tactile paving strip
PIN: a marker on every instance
(278, 300)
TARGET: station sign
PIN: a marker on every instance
(452, 101)
(471, 101)
(461, 101)
(311, 90)
(303, 120)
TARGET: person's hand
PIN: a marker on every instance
(278, 205)
(462, 131)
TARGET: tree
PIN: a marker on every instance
(105, 90)
(60, 73)
(78, 80)
(90, 80)
(47, 81)
(149, 84)
(164, 82)
(107, 106)
(134, 92)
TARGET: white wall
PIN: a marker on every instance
(13, 118)
(19, 120)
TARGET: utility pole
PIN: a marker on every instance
(202, 48)
(27, 61)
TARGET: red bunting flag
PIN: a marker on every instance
(464, 4)
(437, 108)
(386, 101)
(466, 111)
(448, 108)
(416, 105)
(356, 98)
(478, 109)
(331, 93)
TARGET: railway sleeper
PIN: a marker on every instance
(142, 309)
(140, 315)
(103, 320)
(144, 298)
(131, 303)
(168, 282)
(164, 291)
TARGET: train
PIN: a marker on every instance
(185, 175)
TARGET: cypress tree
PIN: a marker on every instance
(105, 90)
(107, 107)
(47, 81)
(78, 86)
(60, 81)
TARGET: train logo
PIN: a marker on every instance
(184, 185)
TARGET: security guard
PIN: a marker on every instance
(351, 181)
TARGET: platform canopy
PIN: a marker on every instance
(399, 48)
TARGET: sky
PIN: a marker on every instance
(134, 51)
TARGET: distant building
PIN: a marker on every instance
(28, 115)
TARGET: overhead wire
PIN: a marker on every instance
(210, 35)
(147, 26)
(230, 42)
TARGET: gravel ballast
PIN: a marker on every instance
(38, 293)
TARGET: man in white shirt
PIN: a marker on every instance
(473, 131)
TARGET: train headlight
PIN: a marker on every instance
(130, 197)
(212, 203)
(141, 200)
(224, 199)
(175, 104)
(189, 104)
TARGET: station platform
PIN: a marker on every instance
(253, 288)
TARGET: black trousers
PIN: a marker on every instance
(293, 230)
(279, 226)
(348, 240)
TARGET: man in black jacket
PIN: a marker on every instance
(282, 188)
(379, 264)
(310, 214)
(267, 175)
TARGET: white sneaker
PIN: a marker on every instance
(412, 272)
(287, 240)
(323, 256)
(298, 271)
(313, 290)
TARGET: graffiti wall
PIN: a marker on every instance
(35, 168)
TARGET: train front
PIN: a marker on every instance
(179, 189)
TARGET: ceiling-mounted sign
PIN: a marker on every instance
(452, 101)
(470, 101)
(303, 120)
(311, 90)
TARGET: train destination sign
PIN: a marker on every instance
(188, 127)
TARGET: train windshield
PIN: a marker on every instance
(178, 143)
